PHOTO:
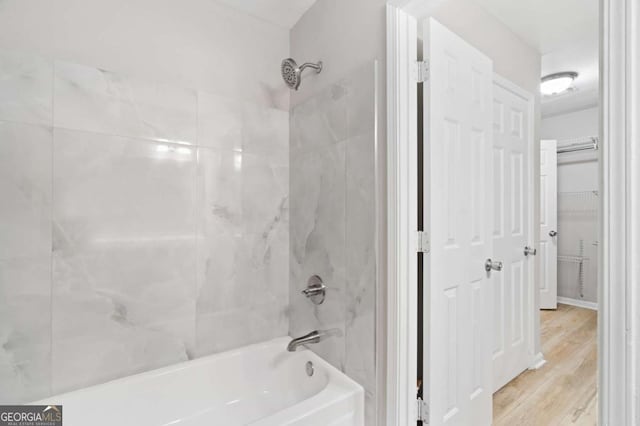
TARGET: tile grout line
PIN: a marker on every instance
(346, 230)
(199, 228)
(51, 212)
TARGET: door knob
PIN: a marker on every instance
(529, 251)
(552, 233)
(491, 265)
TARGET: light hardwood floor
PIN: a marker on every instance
(563, 391)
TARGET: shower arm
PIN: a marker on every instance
(317, 67)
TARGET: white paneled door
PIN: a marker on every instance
(510, 230)
(548, 225)
(457, 185)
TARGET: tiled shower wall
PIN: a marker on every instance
(333, 226)
(140, 225)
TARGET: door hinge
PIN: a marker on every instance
(421, 71)
(422, 242)
(423, 411)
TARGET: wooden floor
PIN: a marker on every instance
(563, 391)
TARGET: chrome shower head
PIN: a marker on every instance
(292, 73)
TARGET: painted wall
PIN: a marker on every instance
(577, 214)
(576, 172)
(572, 124)
(512, 57)
(346, 35)
(144, 183)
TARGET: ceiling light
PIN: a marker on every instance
(557, 83)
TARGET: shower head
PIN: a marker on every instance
(292, 73)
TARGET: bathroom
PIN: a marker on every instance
(219, 211)
(167, 197)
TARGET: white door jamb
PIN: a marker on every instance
(402, 219)
(619, 270)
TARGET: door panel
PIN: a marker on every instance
(457, 184)
(548, 224)
(511, 290)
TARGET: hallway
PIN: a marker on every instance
(563, 391)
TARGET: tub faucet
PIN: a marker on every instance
(313, 337)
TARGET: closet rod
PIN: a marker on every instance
(592, 144)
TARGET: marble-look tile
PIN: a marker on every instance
(318, 245)
(360, 260)
(243, 252)
(320, 121)
(361, 283)
(233, 328)
(333, 222)
(266, 133)
(265, 194)
(370, 416)
(96, 100)
(220, 229)
(219, 122)
(124, 261)
(25, 267)
(25, 190)
(25, 329)
(26, 88)
(361, 106)
(230, 124)
(266, 272)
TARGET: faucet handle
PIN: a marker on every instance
(315, 290)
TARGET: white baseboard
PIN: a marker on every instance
(578, 303)
(538, 361)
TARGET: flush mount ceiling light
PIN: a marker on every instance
(554, 84)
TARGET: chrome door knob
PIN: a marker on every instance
(490, 265)
(552, 233)
(529, 251)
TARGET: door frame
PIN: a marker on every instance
(619, 305)
(402, 219)
(619, 162)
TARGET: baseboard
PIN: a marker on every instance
(538, 361)
(578, 303)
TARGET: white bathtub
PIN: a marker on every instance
(260, 385)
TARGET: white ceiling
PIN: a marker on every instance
(284, 13)
(565, 32)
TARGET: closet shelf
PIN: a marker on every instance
(572, 259)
